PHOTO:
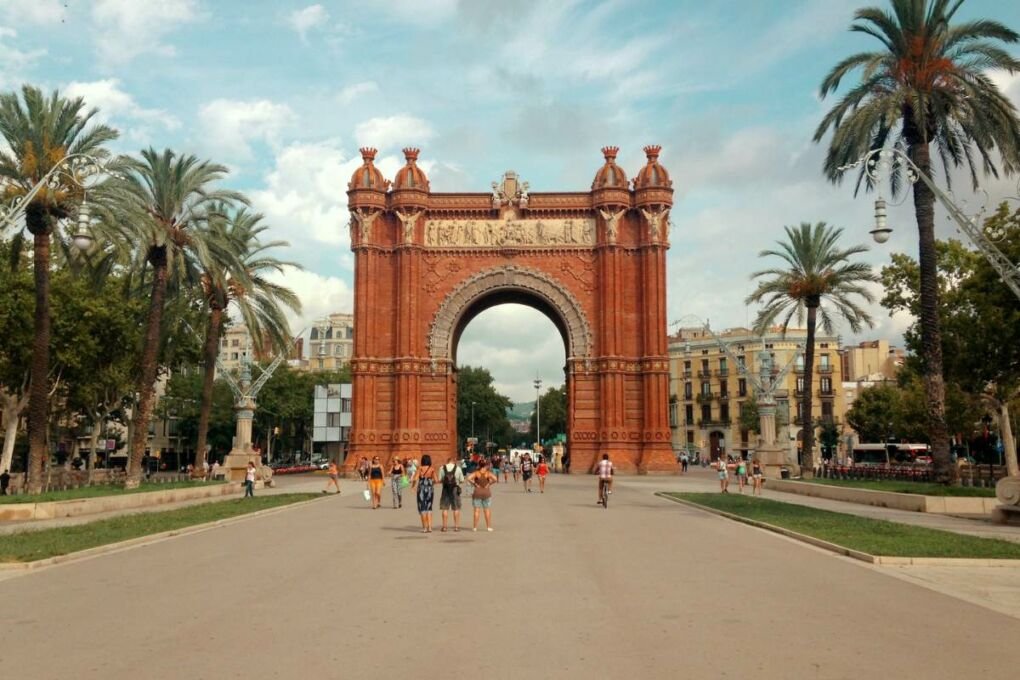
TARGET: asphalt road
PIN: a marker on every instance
(561, 589)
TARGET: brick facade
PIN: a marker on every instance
(594, 262)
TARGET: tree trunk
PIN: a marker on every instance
(38, 399)
(146, 386)
(1008, 442)
(212, 348)
(931, 332)
(11, 411)
(807, 456)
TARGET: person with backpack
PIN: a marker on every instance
(451, 476)
(526, 469)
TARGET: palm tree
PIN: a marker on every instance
(816, 271)
(236, 274)
(40, 133)
(927, 84)
(166, 197)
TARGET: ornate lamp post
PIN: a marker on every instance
(538, 412)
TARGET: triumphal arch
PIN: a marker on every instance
(593, 261)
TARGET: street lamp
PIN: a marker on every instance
(879, 162)
(538, 411)
(473, 419)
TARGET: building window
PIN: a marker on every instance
(345, 406)
(724, 413)
(800, 385)
(235, 343)
(741, 364)
(723, 389)
(827, 410)
(233, 356)
(722, 363)
(332, 420)
(742, 387)
(706, 389)
(690, 436)
(706, 413)
(688, 391)
(689, 413)
(823, 361)
(826, 385)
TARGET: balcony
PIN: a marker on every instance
(704, 398)
(713, 424)
(687, 373)
(722, 372)
(827, 394)
(825, 370)
(704, 374)
(724, 396)
(798, 369)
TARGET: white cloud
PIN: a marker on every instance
(1008, 83)
(352, 93)
(421, 13)
(320, 296)
(230, 126)
(304, 20)
(14, 60)
(31, 11)
(113, 102)
(393, 131)
(129, 28)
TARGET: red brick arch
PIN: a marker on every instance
(593, 262)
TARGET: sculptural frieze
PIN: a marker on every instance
(472, 233)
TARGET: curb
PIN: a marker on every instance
(25, 567)
(881, 560)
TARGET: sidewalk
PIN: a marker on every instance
(704, 480)
(283, 484)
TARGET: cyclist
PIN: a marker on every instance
(605, 473)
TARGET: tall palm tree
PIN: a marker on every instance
(927, 84)
(40, 133)
(166, 197)
(237, 274)
(816, 274)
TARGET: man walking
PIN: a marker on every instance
(5, 482)
(451, 477)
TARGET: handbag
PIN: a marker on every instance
(404, 482)
(367, 494)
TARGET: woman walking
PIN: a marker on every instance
(757, 478)
(396, 481)
(249, 480)
(542, 470)
(424, 483)
(375, 481)
(724, 475)
(481, 498)
(741, 473)
(334, 478)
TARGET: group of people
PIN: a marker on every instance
(746, 471)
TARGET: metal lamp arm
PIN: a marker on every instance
(19, 207)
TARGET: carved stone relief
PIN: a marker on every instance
(408, 220)
(612, 223)
(365, 218)
(579, 336)
(658, 223)
(512, 232)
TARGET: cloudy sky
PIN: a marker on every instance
(285, 92)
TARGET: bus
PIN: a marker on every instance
(892, 454)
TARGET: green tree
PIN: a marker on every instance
(287, 402)
(236, 274)
(981, 320)
(876, 413)
(554, 414)
(40, 133)
(165, 197)
(816, 270)
(490, 407)
(928, 83)
(16, 305)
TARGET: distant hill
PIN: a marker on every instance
(521, 411)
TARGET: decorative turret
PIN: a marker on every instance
(610, 188)
(367, 188)
(411, 186)
(652, 185)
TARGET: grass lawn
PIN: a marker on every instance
(26, 546)
(99, 490)
(920, 488)
(873, 536)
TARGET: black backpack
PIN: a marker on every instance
(450, 476)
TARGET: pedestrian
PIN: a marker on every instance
(741, 473)
(375, 481)
(363, 468)
(249, 480)
(495, 466)
(205, 470)
(396, 482)
(424, 482)
(757, 477)
(685, 461)
(481, 497)
(566, 463)
(412, 467)
(5, 482)
(542, 470)
(452, 477)
(214, 471)
(724, 476)
(334, 478)
(526, 470)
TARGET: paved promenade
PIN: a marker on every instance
(562, 588)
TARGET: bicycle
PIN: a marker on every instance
(604, 493)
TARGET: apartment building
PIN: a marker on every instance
(709, 387)
(331, 343)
